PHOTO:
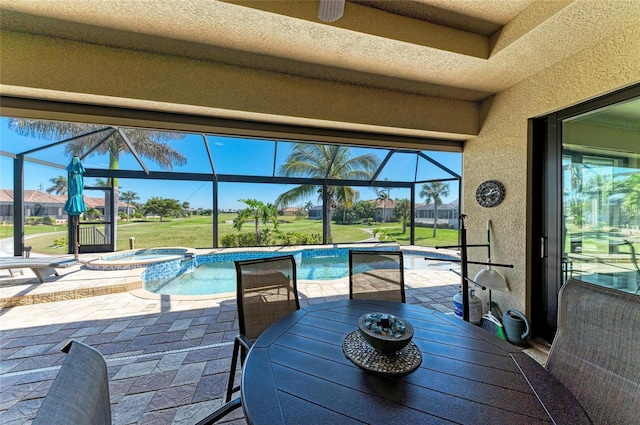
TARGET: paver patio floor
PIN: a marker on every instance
(167, 357)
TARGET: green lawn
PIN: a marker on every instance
(7, 231)
(197, 232)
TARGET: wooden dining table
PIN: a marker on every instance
(297, 372)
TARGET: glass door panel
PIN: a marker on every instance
(601, 196)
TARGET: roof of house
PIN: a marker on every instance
(448, 206)
(40, 197)
(33, 196)
(383, 203)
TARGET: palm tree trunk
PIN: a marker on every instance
(114, 164)
(435, 218)
(329, 231)
(257, 231)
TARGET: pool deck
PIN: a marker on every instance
(167, 356)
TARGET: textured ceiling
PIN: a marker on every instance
(458, 49)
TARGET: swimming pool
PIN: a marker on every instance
(215, 273)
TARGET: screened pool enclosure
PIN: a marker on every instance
(281, 191)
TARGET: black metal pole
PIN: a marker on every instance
(18, 205)
(463, 269)
(76, 241)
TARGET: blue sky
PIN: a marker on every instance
(231, 156)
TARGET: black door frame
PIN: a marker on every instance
(547, 235)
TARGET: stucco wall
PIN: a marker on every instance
(57, 65)
(501, 150)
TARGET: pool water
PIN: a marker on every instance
(220, 277)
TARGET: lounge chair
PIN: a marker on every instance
(42, 267)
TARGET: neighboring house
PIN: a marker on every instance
(36, 204)
(384, 209)
(315, 212)
(290, 211)
(447, 213)
(43, 204)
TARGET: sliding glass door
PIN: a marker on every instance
(587, 171)
(601, 195)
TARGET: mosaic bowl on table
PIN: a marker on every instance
(385, 332)
(382, 344)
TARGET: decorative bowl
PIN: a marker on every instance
(385, 332)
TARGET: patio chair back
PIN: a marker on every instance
(79, 394)
(376, 275)
(267, 291)
(595, 353)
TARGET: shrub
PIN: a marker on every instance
(236, 240)
(229, 241)
(298, 238)
(247, 239)
(383, 234)
(48, 220)
(62, 242)
(441, 225)
(34, 221)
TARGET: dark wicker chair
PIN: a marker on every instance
(79, 394)
(266, 292)
(596, 351)
(376, 275)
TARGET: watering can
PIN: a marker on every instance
(516, 326)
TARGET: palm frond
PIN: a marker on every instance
(151, 145)
(296, 194)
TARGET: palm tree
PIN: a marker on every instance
(347, 204)
(383, 197)
(308, 206)
(258, 211)
(59, 185)
(148, 144)
(433, 192)
(325, 161)
(402, 210)
(129, 197)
